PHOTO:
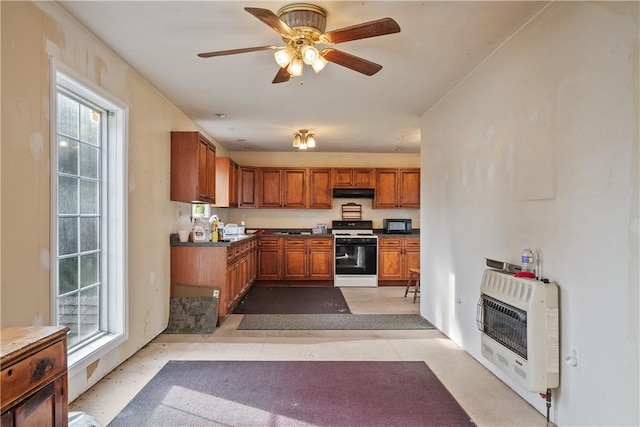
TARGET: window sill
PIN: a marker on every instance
(83, 357)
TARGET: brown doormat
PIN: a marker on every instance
(293, 393)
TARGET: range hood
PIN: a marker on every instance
(353, 193)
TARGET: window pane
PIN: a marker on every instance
(89, 161)
(89, 125)
(67, 156)
(89, 197)
(88, 234)
(67, 236)
(67, 275)
(88, 270)
(89, 311)
(68, 119)
(67, 195)
(68, 316)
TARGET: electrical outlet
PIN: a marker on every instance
(179, 214)
(458, 299)
(575, 352)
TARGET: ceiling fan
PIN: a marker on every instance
(302, 27)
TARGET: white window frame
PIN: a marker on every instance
(114, 270)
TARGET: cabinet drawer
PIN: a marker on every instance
(411, 243)
(320, 243)
(31, 373)
(269, 241)
(390, 242)
(294, 242)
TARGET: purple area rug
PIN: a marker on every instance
(293, 393)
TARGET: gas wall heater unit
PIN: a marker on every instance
(519, 321)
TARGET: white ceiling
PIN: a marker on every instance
(439, 44)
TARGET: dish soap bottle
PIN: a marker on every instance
(214, 229)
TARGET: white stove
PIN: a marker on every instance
(356, 254)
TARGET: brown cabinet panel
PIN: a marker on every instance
(353, 178)
(320, 193)
(396, 255)
(270, 188)
(247, 187)
(269, 265)
(295, 263)
(295, 188)
(320, 263)
(226, 183)
(397, 188)
(192, 168)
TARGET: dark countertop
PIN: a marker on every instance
(174, 240)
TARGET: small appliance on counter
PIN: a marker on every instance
(231, 231)
(396, 225)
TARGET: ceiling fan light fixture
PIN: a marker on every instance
(295, 67)
(284, 56)
(309, 54)
(319, 63)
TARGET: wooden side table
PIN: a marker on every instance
(33, 380)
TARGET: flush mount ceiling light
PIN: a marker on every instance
(303, 139)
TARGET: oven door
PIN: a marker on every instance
(356, 256)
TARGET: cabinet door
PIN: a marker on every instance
(247, 187)
(295, 188)
(390, 262)
(363, 178)
(268, 258)
(320, 194)
(226, 183)
(409, 188)
(211, 174)
(203, 148)
(233, 185)
(386, 195)
(295, 259)
(45, 408)
(270, 191)
(343, 177)
(320, 258)
(411, 254)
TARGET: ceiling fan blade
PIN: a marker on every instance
(282, 76)
(234, 51)
(376, 28)
(272, 20)
(350, 61)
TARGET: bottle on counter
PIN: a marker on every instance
(528, 260)
(214, 230)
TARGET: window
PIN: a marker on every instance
(88, 248)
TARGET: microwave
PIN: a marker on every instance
(394, 225)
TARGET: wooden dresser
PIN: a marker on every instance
(34, 376)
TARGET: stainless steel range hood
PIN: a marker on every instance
(353, 193)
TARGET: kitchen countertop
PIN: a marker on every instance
(174, 240)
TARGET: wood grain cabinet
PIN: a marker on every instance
(308, 258)
(247, 177)
(353, 178)
(395, 256)
(34, 376)
(320, 192)
(230, 268)
(227, 176)
(193, 168)
(282, 188)
(269, 265)
(397, 188)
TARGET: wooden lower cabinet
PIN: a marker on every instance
(308, 258)
(230, 268)
(34, 376)
(269, 254)
(395, 256)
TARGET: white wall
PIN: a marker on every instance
(539, 147)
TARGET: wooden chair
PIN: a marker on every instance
(414, 279)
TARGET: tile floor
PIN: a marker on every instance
(485, 398)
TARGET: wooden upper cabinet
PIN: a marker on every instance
(353, 178)
(397, 188)
(247, 177)
(295, 188)
(193, 168)
(269, 187)
(409, 188)
(320, 194)
(226, 183)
